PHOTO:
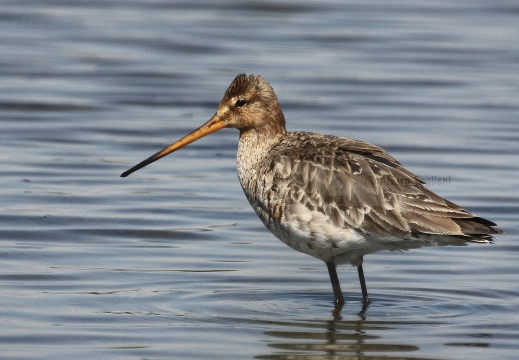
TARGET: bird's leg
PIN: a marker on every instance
(339, 299)
(365, 298)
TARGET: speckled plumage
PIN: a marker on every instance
(338, 199)
(333, 198)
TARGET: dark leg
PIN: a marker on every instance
(365, 298)
(339, 299)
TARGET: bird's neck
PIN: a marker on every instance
(253, 148)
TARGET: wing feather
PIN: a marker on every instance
(359, 186)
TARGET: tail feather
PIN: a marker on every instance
(477, 229)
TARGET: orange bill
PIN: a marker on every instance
(214, 124)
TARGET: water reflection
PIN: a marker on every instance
(335, 338)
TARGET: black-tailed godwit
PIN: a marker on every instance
(333, 198)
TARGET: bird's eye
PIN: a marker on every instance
(240, 102)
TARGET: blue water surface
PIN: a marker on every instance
(172, 263)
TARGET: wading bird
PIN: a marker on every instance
(333, 198)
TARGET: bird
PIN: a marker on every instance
(333, 198)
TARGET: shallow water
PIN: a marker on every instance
(172, 262)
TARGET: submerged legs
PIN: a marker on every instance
(339, 299)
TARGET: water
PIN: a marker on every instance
(172, 262)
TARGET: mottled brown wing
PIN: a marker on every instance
(359, 186)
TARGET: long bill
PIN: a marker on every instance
(214, 124)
